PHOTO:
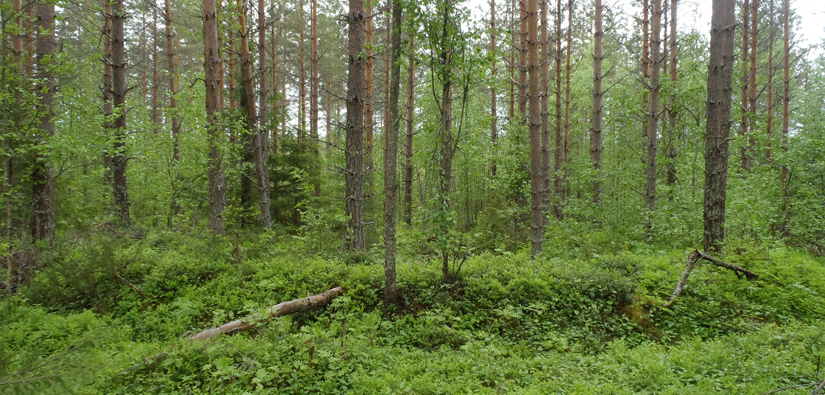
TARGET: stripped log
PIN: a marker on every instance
(693, 259)
(738, 270)
(281, 309)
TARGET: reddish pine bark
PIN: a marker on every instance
(720, 85)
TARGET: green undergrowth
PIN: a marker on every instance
(111, 315)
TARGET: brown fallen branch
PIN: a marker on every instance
(280, 309)
(131, 285)
(819, 388)
(736, 269)
(693, 259)
(788, 388)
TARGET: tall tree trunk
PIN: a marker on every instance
(646, 66)
(743, 132)
(155, 74)
(369, 117)
(408, 174)
(173, 84)
(557, 181)
(108, 91)
(313, 94)
(173, 109)
(121, 189)
(493, 109)
(313, 76)
(545, 108)
(261, 141)
(646, 39)
(302, 113)
(653, 116)
(786, 104)
(221, 92)
(446, 63)
(387, 120)
(276, 108)
(752, 80)
(249, 106)
(720, 85)
(391, 159)
(567, 71)
(356, 77)
(770, 104)
(537, 216)
(596, 134)
(233, 94)
(522, 59)
(217, 184)
(511, 64)
(42, 177)
(670, 151)
(8, 163)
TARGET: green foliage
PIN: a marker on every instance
(508, 324)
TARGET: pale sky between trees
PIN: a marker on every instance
(696, 13)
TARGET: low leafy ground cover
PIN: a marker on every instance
(111, 316)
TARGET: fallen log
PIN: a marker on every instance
(736, 269)
(279, 310)
(693, 259)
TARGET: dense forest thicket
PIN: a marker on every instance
(508, 196)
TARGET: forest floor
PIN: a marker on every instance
(112, 315)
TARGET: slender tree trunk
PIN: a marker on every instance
(567, 72)
(557, 180)
(108, 91)
(408, 174)
(445, 57)
(646, 39)
(512, 64)
(545, 108)
(537, 216)
(646, 67)
(221, 52)
(155, 74)
(173, 84)
(493, 109)
(302, 114)
(276, 108)
(173, 109)
(8, 170)
(752, 80)
(369, 117)
(670, 151)
(250, 109)
(786, 104)
(653, 116)
(313, 77)
(522, 59)
(770, 115)
(217, 184)
(233, 88)
(121, 189)
(391, 159)
(743, 150)
(596, 134)
(720, 85)
(355, 126)
(261, 140)
(387, 120)
(313, 95)
(42, 177)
